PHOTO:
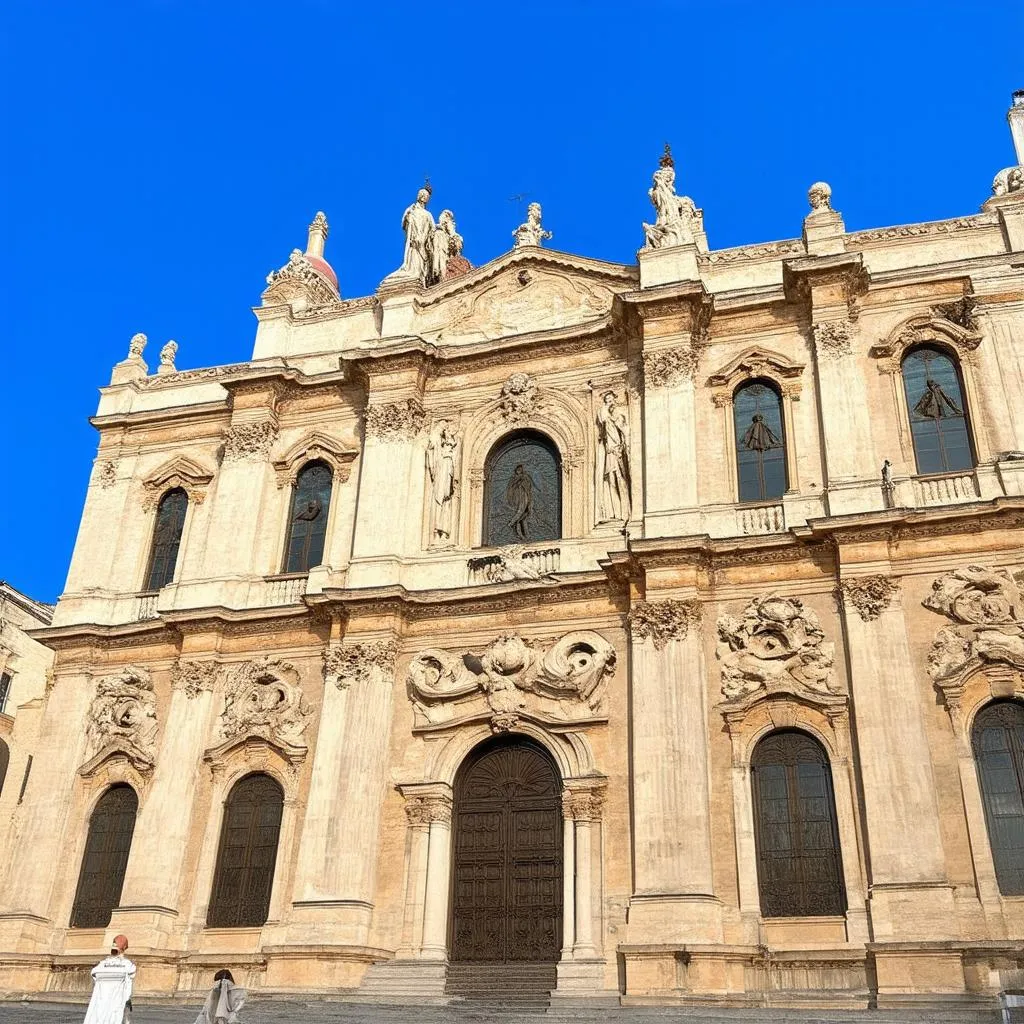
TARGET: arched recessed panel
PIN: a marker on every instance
(523, 491)
(170, 521)
(107, 846)
(247, 855)
(760, 442)
(307, 518)
(799, 870)
(507, 873)
(998, 738)
(938, 414)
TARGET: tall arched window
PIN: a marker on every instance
(760, 442)
(998, 739)
(5, 761)
(106, 857)
(799, 872)
(247, 854)
(307, 518)
(170, 521)
(938, 414)
(522, 490)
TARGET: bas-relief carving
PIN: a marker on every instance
(832, 339)
(422, 810)
(122, 720)
(263, 699)
(613, 460)
(518, 400)
(662, 621)
(513, 304)
(511, 680)
(249, 442)
(348, 663)
(194, 677)
(514, 562)
(395, 421)
(667, 367)
(869, 595)
(776, 646)
(987, 608)
(442, 463)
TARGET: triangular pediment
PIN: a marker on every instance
(523, 292)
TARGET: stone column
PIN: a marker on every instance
(568, 878)
(911, 898)
(415, 887)
(673, 899)
(586, 810)
(334, 880)
(435, 907)
(151, 898)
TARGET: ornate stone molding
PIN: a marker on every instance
(181, 472)
(422, 810)
(300, 284)
(938, 227)
(943, 324)
(832, 339)
(752, 364)
(667, 367)
(986, 606)
(194, 677)
(314, 446)
(518, 401)
(662, 621)
(393, 421)
(122, 721)
(776, 646)
(249, 441)
(263, 699)
(869, 595)
(583, 804)
(351, 663)
(513, 679)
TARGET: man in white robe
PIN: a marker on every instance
(112, 980)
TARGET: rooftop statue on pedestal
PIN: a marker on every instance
(446, 259)
(433, 252)
(307, 281)
(1011, 179)
(677, 220)
(531, 232)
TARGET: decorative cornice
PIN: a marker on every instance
(869, 595)
(662, 621)
(355, 662)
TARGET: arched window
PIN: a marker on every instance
(307, 518)
(5, 760)
(760, 442)
(998, 739)
(170, 521)
(248, 852)
(522, 490)
(938, 414)
(799, 873)
(106, 857)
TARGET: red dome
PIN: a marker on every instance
(321, 266)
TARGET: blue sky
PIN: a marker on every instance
(162, 156)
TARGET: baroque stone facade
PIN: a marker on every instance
(421, 596)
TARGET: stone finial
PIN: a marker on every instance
(136, 346)
(133, 366)
(819, 195)
(530, 232)
(318, 231)
(167, 354)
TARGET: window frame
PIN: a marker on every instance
(290, 520)
(153, 547)
(783, 448)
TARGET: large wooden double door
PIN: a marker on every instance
(507, 884)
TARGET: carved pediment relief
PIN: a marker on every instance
(314, 445)
(524, 295)
(755, 362)
(182, 472)
(512, 679)
(986, 607)
(954, 324)
(122, 721)
(776, 647)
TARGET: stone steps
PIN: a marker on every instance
(500, 988)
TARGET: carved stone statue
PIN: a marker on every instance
(613, 459)
(531, 232)
(122, 717)
(888, 485)
(446, 259)
(136, 346)
(988, 608)
(677, 219)
(167, 354)
(442, 464)
(777, 645)
(419, 227)
(513, 678)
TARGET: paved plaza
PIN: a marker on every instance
(324, 1012)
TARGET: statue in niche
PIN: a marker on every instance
(519, 498)
(531, 232)
(676, 217)
(442, 455)
(888, 485)
(613, 458)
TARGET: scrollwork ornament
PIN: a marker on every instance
(264, 700)
(249, 442)
(122, 718)
(350, 663)
(662, 621)
(584, 804)
(869, 595)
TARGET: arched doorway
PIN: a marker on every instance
(507, 874)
